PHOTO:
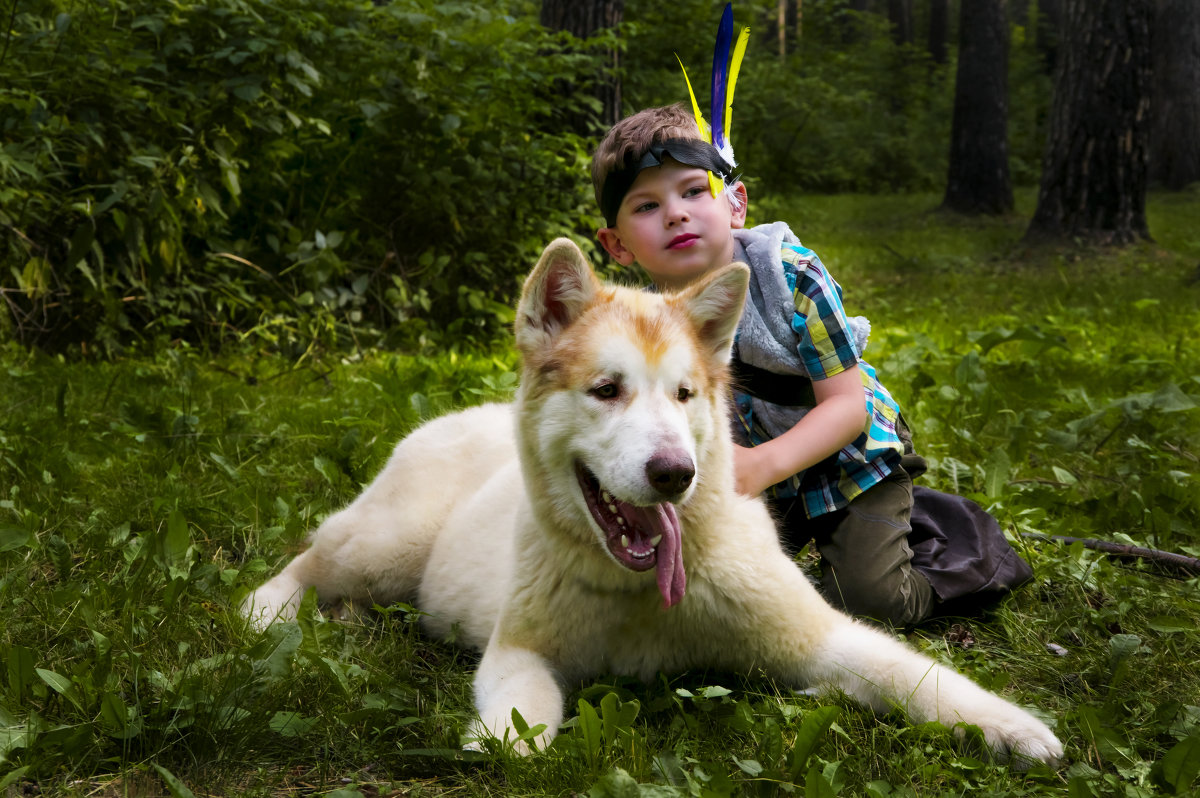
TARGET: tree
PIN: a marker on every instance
(900, 15)
(978, 180)
(1175, 136)
(1094, 170)
(582, 19)
(939, 24)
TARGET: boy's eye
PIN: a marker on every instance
(694, 190)
(645, 206)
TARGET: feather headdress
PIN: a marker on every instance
(727, 62)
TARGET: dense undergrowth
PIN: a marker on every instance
(143, 496)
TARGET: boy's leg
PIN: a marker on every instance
(866, 563)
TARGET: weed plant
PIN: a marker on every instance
(141, 498)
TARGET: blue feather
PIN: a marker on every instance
(720, 76)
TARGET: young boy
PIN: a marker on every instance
(817, 431)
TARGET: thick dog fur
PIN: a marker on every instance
(508, 522)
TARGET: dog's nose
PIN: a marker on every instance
(670, 473)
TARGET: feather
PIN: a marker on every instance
(701, 125)
(735, 66)
(720, 76)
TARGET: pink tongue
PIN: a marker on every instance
(660, 519)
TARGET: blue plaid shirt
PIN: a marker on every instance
(825, 347)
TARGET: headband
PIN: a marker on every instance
(689, 152)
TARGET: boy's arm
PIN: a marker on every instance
(837, 419)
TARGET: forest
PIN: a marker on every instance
(247, 245)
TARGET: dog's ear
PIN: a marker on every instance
(555, 295)
(714, 305)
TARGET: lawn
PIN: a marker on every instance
(142, 497)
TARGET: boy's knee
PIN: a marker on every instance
(903, 601)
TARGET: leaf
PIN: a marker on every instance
(174, 786)
(996, 472)
(20, 669)
(617, 783)
(1168, 624)
(57, 682)
(13, 538)
(816, 723)
(13, 776)
(816, 785)
(589, 727)
(1180, 766)
(291, 724)
(326, 468)
(279, 645)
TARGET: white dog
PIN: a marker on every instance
(605, 535)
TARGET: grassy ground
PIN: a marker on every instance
(140, 499)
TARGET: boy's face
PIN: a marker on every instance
(672, 226)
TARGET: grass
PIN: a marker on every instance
(141, 498)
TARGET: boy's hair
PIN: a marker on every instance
(634, 134)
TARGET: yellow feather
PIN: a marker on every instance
(701, 125)
(715, 185)
(735, 65)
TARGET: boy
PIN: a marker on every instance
(817, 431)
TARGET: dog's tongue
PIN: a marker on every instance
(660, 519)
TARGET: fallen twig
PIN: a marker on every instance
(1180, 562)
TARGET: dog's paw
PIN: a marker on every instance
(274, 601)
(1023, 741)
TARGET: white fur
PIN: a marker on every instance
(488, 530)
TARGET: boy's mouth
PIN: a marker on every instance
(682, 240)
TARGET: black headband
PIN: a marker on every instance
(689, 152)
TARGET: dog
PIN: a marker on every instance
(592, 527)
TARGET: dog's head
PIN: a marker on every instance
(622, 393)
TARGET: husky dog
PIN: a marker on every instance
(593, 527)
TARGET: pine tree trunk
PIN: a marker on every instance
(1094, 170)
(978, 180)
(582, 18)
(939, 25)
(900, 15)
(1175, 137)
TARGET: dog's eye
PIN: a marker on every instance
(606, 390)
(684, 394)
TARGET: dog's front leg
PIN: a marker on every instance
(511, 678)
(883, 673)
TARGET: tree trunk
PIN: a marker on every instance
(1175, 136)
(582, 18)
(1049, 20)
(978, 180)
(1095, 167)
(900, 15)
(939, 24)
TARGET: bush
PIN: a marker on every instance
(296, 171)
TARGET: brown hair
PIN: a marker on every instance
(634, 134)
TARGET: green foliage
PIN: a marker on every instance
(298, 172)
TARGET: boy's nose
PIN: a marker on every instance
(676, 214)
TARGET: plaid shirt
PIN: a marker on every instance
(825, 346)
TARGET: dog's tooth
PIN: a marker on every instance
(607, 497)
(624, 541)
(654, 541)
(621, 520)
(612, 508)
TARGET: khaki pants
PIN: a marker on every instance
(866, 562)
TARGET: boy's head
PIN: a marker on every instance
(650, 175)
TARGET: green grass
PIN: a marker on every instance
(141, 498)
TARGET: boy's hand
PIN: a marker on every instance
(837, 419)
(751, 474)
